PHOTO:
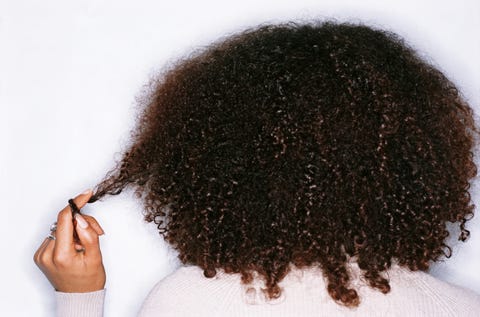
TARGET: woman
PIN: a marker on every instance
(299, 170)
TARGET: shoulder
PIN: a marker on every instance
(180, 278)
(186, 292)
(187, 284)
(423, 289)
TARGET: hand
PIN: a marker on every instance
(71, 267)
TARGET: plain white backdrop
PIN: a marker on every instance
(69, 75)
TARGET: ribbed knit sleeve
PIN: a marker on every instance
(80, 304)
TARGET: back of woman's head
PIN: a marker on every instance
(306, 144)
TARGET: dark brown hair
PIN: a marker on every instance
(305, 144)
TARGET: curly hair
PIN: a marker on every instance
(305, 144)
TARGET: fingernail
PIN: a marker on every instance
(81, 221)
(87, 192)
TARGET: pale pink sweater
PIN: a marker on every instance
(186, 292)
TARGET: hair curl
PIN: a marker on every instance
(304, 144)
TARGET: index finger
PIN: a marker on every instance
(64, 235)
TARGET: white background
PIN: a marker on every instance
(69, 75)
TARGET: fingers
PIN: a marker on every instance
(41, 248)
(43, 256)
(88, 237)
(67, 269)
(46, 255)
(93, 222)
(64, 243)
(83, 198)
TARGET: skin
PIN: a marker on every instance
(72, 267)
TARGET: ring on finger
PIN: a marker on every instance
(53, 227)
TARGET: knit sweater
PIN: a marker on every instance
(186, 292)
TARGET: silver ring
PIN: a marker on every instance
(51, 236)
(53, 227)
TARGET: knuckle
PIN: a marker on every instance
(36, 256)
(64, 214)
(61, 259)
(66, 211)
(43, 258)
